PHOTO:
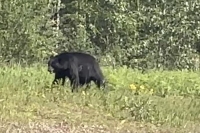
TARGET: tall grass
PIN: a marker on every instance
(160, 98)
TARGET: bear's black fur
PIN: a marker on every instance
(80, 68)
(84, 74)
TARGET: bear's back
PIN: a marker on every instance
(82, 57)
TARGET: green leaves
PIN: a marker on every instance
(140, 34)
(21, 23)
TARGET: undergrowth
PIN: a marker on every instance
(167, 98)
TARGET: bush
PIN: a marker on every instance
(138, 34)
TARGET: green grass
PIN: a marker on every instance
(27, 102)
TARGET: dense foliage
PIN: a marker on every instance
(136, 33)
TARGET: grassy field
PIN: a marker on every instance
(154, 102)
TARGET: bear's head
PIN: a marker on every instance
(50, 64)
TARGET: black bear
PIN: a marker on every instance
(84, 75)
(80, 68)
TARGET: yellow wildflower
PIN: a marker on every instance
(83, 92)
(142, 87)
(133, 87)
(151, 91)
